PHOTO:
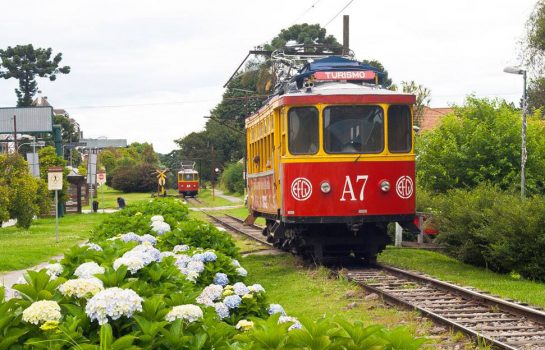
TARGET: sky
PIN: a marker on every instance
(150, 71)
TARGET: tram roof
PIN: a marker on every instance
(188, 171)
(335, 92)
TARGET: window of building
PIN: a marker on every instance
(303, 130)
(399, 129)
(353, 129)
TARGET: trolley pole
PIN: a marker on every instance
(346, 34)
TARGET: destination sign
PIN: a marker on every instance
(347, 75)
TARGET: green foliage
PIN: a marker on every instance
(24, 63)
(197, 233)
(306, 34)
(423, 98)
(21, 195)
(134, 178)
(232, 178)
(480, 142)
(162, 284)
(491, 228)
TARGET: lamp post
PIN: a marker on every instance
(523, 153)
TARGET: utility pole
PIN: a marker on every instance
(346, 34)
(213, 173)
(15, 132)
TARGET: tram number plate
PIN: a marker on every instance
(350, 188)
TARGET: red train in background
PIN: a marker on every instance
(188, 180)
(331, 160)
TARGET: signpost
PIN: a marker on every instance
(54, 183)
(101, 180)
(161, 181)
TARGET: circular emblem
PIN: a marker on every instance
(301, 189)
(404, 187)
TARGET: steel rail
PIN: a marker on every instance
(472, 308)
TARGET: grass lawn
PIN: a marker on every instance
(21, 248)
(205, 196)
(110, 197)
(312, 293)
(449, 269)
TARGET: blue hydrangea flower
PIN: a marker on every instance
(232, 301)
(221, 279)
(209, 256)
(93, 246)
(198, 257)
(275, 309)
(222, 310)
(180, 248)
(148, 238)
(235, 263)
(240, 289)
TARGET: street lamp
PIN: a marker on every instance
(523, 154)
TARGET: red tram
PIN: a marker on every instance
(188, 180)
(331, 161)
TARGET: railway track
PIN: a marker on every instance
(193, 200)
(501, 323)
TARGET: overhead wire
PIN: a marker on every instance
(344, 8)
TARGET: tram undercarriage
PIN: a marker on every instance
(329, 242)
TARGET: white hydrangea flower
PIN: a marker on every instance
(240, 289)
(241, 271)
(210, 294)
(144, 251)
(166, 254)
(219, 228)
(191, 275)
(81, 287)
(275, 309)
(256, 288)
(148, 238)
(130, 237)
(196, 266)
(188, 312)
(235, 263)
(42, 311)
(88, 270)
(93, 246)
(113, 303)
(157, 218)
(295, 322)
(54, 270)
(180, 248)
(133, 263)
(160, 227)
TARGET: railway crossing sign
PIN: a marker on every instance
(101, 178)
(161, 181)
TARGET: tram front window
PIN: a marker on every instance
(303, 130)
(188, 177)
(353, 129)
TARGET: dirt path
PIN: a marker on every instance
(227, 197)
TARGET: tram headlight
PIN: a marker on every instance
(325, 187)
(385, 185)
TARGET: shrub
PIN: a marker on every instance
(21, 195)
(130, 295)
(495, 229)
(134, 178)
(232, 178)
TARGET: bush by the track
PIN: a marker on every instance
(121, 292)
(491, 228)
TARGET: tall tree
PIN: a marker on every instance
(533, 52)
(303, 34)
(423, 98)
(24, 63)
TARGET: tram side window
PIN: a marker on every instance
(303, 130)
(399, 129)
(353, 129)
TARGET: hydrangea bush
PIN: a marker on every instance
(138, 285)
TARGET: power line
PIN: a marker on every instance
(306, 11)
(344, 8)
